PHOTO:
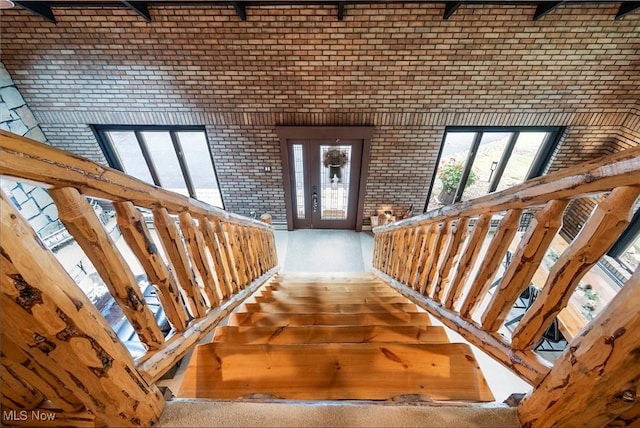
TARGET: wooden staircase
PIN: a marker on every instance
(332, 337)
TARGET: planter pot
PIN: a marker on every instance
(447, 195)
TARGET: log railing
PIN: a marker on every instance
(60, 358)
(448, 268)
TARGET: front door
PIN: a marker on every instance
(325, 179)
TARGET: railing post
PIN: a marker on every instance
(64, 333)
(597, 378)
(81, 221)
(606, 223)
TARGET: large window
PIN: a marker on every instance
(177, 159)
(477, 161)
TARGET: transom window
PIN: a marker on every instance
(177, 159)
(476, 161)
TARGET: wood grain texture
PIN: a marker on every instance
(177, 255)
(524, 263)
(310, 308)
(230, 262)
(497, 249)
(435, 254)
(596, 380)
(606, 223)
(217, 252)
(64, 333)
(267, 319)
(288, 335)
(468, 260)
(335, 371)
(83, 224)
(450, 259)
(136, 234)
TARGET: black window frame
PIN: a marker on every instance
(111, 155)
(538, 167)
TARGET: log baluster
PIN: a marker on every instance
(234, 242)
(397, 253)
(496, 251)
(64, 333)
(468, 260)
(606, 223)
(229, 260)
(435, 253)
(82, 222)
(409, 254)
(177, 255)
(427, 254)
(524, 263)
(136, 234)
(217, 252)
(418, 262)
(450, 258)
(247, 236)
(16, 393)
(194, 241)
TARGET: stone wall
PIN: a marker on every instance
(33, 202)
(399, 67)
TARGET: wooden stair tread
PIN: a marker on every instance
(329, 287)
(364, 292)
(322, 308)
(329, 299)
(335, 371)
(287, 335)
(278, 319)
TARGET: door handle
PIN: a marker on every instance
(314, 202)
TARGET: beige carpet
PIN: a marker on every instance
(203, 413)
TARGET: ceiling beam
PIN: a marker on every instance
(39, 8)
(544, 8)
(450, 8)
(627, 7)
(340, 10)
(241, 9)
(139, 7)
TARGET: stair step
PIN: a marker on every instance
(321, 308)
(345, 288)
(329, 299)
(362, 292)
(326, 277)
(335, 371)
(265, 319)
(330, 334)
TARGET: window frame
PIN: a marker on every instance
(113, 159)
(538, 166)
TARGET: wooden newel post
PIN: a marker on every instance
(55, 325)
(597, 378)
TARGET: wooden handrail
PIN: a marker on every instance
(425, 258)
(79, 367)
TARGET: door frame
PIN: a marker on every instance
(286, 133)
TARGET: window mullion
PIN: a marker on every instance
(506, 155)
(183, 164)
(147, 158)
(469, 164)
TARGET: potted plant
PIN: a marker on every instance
(335, 159)
(450, 174)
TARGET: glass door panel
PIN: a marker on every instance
(299, 181)
(162, 152)
(335, 179)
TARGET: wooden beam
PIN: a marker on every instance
(241, 9)
(135, 232)
(82, 222)
(41, 9)
(154, 364)
(597, 378)
(139, 7)
(526, 364)
(627, 7)
(607, 221)
(525, 262)
(53, 322)
(450, 8)
(545, 8)
(16, 393)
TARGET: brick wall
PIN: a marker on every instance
(398, 67)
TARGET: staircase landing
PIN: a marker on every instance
(332, 337)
